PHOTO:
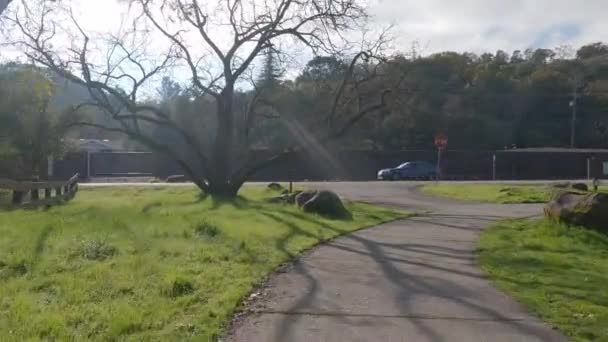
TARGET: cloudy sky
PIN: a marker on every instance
(442, 25)
(488, 25)
(464, 25)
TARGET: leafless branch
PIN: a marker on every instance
(152, 143)
(195, 40)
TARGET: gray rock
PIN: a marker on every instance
(275, 186)
(323, 202)
(590, 210)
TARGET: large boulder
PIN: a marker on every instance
(580, 187)
(323, 202)
(589, 210)
(304, 197)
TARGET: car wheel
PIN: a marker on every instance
(395, 177)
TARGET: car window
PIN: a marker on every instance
(404, 165)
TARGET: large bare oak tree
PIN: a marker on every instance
(216, 44)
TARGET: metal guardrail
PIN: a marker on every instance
(54, 191)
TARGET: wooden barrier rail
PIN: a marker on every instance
(54, 191)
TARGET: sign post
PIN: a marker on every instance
(596, 184)
(441, 142)
(494, 166)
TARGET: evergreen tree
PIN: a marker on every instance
(271, 73)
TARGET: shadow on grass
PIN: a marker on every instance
(41, 241)
(238, 202)
(148, 207)
(7, 207)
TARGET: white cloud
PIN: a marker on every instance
(437, 25)
(488, 25)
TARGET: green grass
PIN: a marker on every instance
(559, 272)
(491, 193)
(148, 263)
(495, 193)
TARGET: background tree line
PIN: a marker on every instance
(351, 95)
(482, 102)
(33, 124)
(488, 101)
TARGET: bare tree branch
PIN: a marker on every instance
(217, 45)
(151, 142)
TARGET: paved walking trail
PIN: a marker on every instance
(411, 280)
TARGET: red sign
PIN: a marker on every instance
(441, 141)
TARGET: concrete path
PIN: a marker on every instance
(412, 280)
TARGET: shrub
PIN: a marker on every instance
(177, 287)
(206, 228)
(13, 270)
(96, 250)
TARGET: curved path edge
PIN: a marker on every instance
(408, 280)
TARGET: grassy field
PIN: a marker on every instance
(494, 193)
(557, 271)
(148, 263)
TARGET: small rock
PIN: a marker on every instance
(275, 186)
(589, 210)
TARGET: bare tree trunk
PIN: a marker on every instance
(256, 26)
(221, 177)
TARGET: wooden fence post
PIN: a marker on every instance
(62, 191)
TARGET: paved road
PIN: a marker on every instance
(411, 280)
(97, 182)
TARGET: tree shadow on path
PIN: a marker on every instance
(443, 282)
